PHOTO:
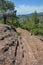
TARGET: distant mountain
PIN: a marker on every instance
(23, 16)
(40, 14)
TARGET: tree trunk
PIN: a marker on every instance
(4, 18)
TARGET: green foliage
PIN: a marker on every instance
(9, 18)
(28, 25)
(18, 33)
(1, 21)
(15, 23)
(35, 18)
(33, 25)
(4, 7)
(37, 31)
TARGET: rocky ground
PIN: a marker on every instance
(25, 49)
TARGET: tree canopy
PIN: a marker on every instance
(7, 8)
(35, 17)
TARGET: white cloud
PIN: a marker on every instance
(26, 9)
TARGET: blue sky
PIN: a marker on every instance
(28, 6)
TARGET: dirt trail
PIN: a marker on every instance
(32, 48)
(24, 49)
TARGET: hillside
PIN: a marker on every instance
(40, 14)
(25, 49)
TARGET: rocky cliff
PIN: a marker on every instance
(19, 50)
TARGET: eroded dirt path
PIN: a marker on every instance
(32, 48)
